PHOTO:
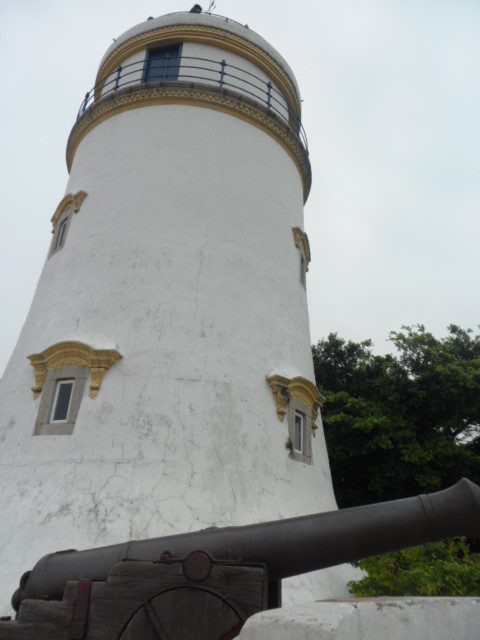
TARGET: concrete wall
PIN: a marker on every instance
(181, 257)
(370, 619)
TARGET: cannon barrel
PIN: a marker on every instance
(288, 547)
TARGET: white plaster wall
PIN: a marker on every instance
(196, 66)
(181, 257)
(370, 619)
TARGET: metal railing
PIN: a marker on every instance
(204, 71)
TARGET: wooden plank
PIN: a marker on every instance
(244, 583)
(45, 611)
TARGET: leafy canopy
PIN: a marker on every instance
(400, 424)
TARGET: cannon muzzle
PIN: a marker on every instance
(287, 547)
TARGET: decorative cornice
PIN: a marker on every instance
(284, 389)
(76, 354)
(301, 241)
(70, 201)
(198, 95)
(201, 34)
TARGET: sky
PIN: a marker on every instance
(391, 104)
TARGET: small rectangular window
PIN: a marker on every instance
(62, 230)
(61, 401)
(303, 271)
(163, 63)
(298, 444)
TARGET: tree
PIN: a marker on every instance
(399, 425)
(404, 423)
(446, 568)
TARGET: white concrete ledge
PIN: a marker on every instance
(370, 619)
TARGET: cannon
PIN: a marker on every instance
(205, 584)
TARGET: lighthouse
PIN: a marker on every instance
(163, 379)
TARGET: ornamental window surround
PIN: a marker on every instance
(60, 233)
(61, 372)
(61, 219)
(300, 239)
(299, 400)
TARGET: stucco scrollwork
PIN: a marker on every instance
(71, 201)
(73, 353)
(279, 386)
(301, 241)
(284, 389)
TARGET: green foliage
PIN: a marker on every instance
(446, 568)
(398, 425)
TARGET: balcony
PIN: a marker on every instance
(193, 71)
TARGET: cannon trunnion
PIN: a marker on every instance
(205, 584)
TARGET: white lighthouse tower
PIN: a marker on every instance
(163, 380)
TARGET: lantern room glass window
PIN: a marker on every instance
(61, 402)
(162, 63)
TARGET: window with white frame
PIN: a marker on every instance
(300, 430)
(62, 400)
(299, 427)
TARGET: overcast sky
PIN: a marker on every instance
(391, 93)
